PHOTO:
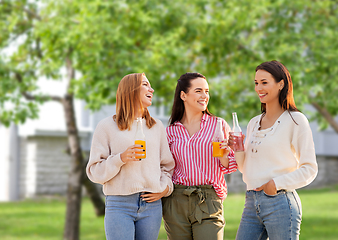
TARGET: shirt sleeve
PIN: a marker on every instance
(102, 165)
(167, 163)
(304, 151)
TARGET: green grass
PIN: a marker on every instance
(44, 218)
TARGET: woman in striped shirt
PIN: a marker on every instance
(195, 210)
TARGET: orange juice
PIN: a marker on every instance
(216, 150)
(141, 142)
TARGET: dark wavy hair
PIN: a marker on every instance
(280, 72)
(183, 84)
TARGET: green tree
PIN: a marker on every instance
(92, 45)
(300, 34)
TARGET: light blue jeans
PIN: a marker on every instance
(129, 217)
(275, 217)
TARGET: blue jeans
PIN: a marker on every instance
(275, 217)
(129, 217)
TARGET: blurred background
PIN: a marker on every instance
(61, 62)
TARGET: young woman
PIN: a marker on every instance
(133, 187)
(279, 157)
(195, 210)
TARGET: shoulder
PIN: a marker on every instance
(213, 120)
(106, 126)
(299, 117)
(255, 120)
(298, 121)
(106, 122)
(158, 124)
(174, 130)
(171, 128)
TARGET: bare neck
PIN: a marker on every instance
(273, 110)
(190, 118)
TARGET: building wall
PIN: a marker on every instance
(44, 165)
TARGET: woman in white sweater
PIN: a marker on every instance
(279, 157)
(133, 187)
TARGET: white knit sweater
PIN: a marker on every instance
(152, 174)
(285, 153)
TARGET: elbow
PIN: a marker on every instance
(91, 176)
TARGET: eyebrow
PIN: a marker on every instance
(261, 79)
(201, 89)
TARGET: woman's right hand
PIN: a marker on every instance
(232, 142)
(133, 153)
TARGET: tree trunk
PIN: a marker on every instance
(73, 211)
(326, 115)
(94, 196)
(92, 192)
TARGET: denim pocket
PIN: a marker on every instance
(275, 195)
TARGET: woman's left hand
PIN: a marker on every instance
(152, 197)
(225, 160)
(225, 147)
(269, 188)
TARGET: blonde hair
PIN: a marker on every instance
(128, 99)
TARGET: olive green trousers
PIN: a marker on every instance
(193, 212)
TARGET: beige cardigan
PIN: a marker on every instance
(152, 174)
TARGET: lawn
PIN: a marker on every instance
(44, 218)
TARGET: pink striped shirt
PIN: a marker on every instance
(195, 164)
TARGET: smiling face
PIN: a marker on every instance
(267, 88)
(146, 92)
(197, 97)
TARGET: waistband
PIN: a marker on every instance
(282, 190)
(177, 186)
(199, 191)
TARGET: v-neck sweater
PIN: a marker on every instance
(284, 152)
(152, 174)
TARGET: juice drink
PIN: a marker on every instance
(216, 150)
(140, 138)
(143, 143)
(217, 139)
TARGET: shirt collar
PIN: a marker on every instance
(205, 118)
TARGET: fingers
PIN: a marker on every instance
(259, 188)
(224, 145)
(151, 197)
(268, 188)
(133, 153)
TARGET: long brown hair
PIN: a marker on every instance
(280, 72)
(128, 99)
(183, 84)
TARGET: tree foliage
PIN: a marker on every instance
(93, 44)
(300, 34)
(224, 40)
